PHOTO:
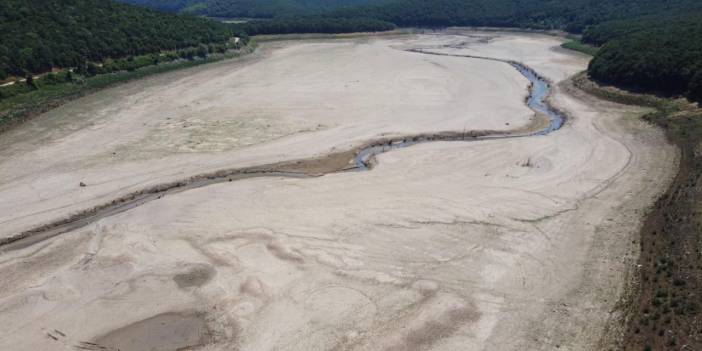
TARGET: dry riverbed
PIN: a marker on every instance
(496, 245)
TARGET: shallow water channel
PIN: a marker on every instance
(539, 90)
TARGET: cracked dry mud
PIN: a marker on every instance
(491, 245)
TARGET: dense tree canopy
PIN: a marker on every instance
(314, 25)
(662, 56)
(164, 5)
(251, 8)
(603, 32)
(36, 35)
(573, 15)
(647, 44)
(654, 45)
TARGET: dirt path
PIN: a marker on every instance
(495, 245)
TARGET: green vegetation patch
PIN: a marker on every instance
(314, 25)
(664, 58)
(577, 45)
(251, 8)
(38, 35)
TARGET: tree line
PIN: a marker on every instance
(648, 45)
(660, 55)
(85, 70)
(314, 25)
(251, 8)
(653, 45)
(36, 35)
(571, 15)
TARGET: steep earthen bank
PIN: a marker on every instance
(663, 303)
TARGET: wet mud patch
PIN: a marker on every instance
(164, 332)
(194, 277)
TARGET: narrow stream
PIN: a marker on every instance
(539, 90)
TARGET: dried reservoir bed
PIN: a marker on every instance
(494, 244)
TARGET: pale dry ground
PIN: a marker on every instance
(299, 100)
(495, 245)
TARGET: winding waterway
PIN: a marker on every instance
(539, 90)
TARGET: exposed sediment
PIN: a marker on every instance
(362, 160)
(516, 243)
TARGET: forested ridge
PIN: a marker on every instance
(651, 45)
(647, 45)
(36, 35)
(571, 15)
(164, 5)
(314, 25)
(251, 8)
(654, 54)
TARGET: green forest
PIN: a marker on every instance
(251, 8)
(571, 15)
(648, 45)
(314, 25)
(654, 55)
(36, 35)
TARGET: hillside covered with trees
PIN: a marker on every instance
(313, 25)
(571, 15)
(36, 35)
(647, 45)
(650, 45)
(251, 8)
(661, 55)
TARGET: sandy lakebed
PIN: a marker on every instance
(489, 245)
